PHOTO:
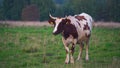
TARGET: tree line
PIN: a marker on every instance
(100, 10)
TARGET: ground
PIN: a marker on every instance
(28, 46)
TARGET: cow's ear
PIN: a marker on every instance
(51, 21)
(66, 21)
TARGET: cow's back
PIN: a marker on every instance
(89, 19)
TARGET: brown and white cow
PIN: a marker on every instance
(75, 30)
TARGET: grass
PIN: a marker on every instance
(36, 47)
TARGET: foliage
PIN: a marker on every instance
(100, 10)
(59, 1)
(12, 9)
(30, 13)
(45, 7)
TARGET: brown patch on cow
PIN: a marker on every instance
(78, 23)
(51, 21)
(80, 18)
(72, 49)
(67, 21)
(60, 27)
(69, 29)
(73, 44)
(86, 27)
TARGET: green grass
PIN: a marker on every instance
(36, 47)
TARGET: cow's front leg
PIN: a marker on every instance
(71, 55)
(67, 50)
(67, 55)
(72, 50)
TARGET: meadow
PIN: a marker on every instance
(36, 47)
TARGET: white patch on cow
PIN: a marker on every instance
(57, 23)
(89, 19)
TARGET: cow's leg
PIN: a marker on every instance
(67, 55)
(67, 51)
(80, 52)
(72, 51)
(71, 55)
(87, 47)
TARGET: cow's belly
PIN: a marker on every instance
(84, 36)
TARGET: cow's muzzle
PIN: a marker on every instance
(55, 33)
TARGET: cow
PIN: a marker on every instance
(74, 30)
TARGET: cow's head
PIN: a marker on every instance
(58, 23)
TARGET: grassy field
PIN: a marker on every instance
(36, 47)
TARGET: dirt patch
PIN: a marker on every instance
(107, 24)
(25, 23)
(45, 23)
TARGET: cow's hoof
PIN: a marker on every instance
(87, 60)
(66, 62)
(72, 62)
(79, 59)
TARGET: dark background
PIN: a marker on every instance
(38, 10)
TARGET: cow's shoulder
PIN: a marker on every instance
(69, 29)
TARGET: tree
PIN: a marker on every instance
(12, 9)
(100, 10)
(30, 13)
(45, 7)
(1, 10)
(79, 6)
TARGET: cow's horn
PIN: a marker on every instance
(52, 16)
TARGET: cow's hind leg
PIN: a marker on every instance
(80, 52)
(87, 47)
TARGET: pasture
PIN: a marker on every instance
(36, 47)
